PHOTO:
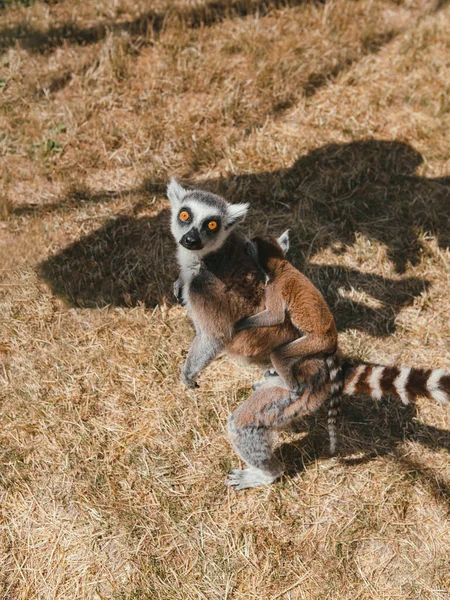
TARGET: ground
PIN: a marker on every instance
(331, 118)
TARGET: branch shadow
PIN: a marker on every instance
(75, 199)
(146, 27)
(371, 430)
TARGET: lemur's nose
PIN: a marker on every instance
(191, 240)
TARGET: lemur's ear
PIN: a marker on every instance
(175, 192)
(283, 241)
(236, 212)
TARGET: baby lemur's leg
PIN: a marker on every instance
(269, 374)
(284, 357)
(273, 314)
(249, 430)
(202, 351)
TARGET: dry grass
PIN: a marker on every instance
(332, 119)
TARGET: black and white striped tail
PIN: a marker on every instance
(405, 383)
(334, 400)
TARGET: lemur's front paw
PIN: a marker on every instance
(188, 381)
(178, 292)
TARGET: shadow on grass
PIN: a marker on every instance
(75, 199)
(145, 27)
(328, 198)
(340, 191)
(371, 430)
(392, 295)
(127, 261)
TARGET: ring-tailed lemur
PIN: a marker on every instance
(221, 284)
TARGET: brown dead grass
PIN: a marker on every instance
(332, 119)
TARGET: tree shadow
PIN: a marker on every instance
(391, 296)
(4, 4)
(340, 191)
(79, 196)
(147, 26)
(370, 430)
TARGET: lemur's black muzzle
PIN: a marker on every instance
(191, 240)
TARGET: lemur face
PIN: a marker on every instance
(201, 221)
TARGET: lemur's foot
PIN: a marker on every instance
(297, 390)
(242, 479)
(270, 374)
(189, 381)
(267, 375)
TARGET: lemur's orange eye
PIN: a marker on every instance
(212, 225)
(184, 215)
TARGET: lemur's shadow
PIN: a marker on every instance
(129, 260)
(370, 430)
(328, 198)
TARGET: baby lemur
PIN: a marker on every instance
(290, 293)
(220, 283)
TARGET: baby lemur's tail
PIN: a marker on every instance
(405, 383)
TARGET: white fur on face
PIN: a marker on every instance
(190, 260)
(200, 212)
(229, 215)
(202, 207)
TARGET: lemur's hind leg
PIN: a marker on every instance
(250, 426)
(252, 444)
